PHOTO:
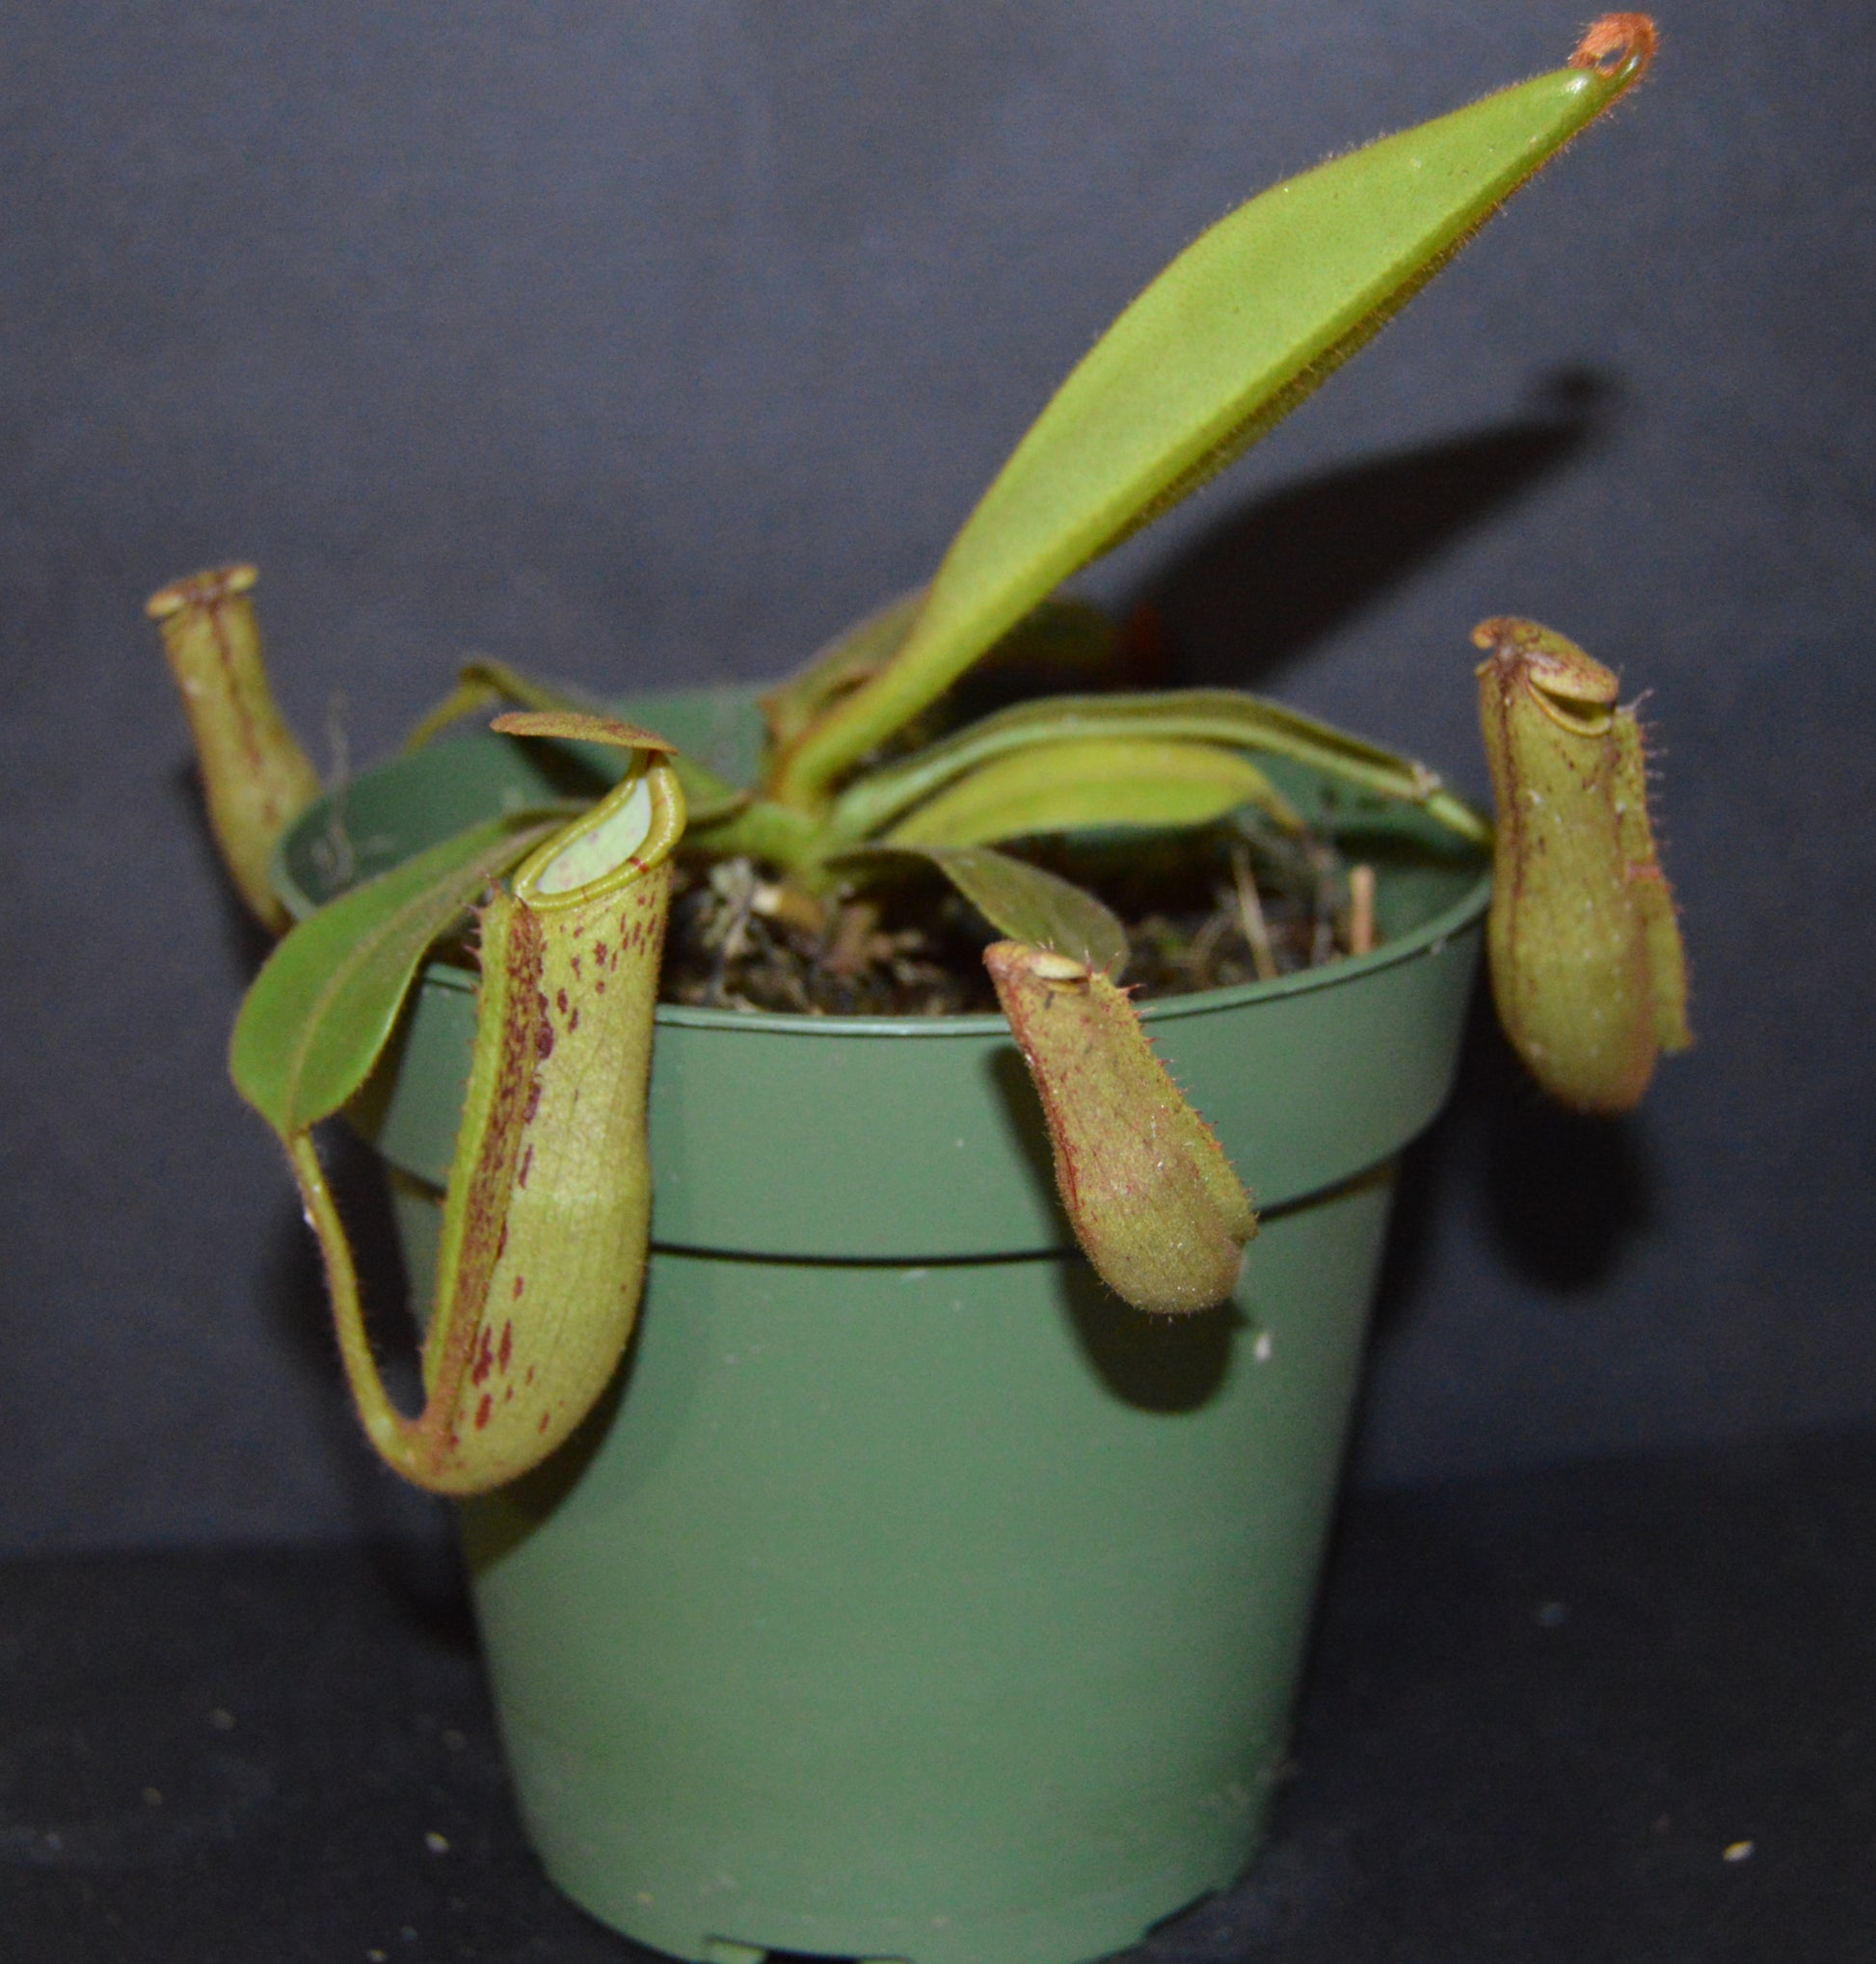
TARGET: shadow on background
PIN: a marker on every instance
(1565, 1195)
(1561, 1196)
(1280, 574)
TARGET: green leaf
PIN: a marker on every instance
(481, 683)
(1246, 722)
(1058, 637)
(1232, 335)
(755, 827)
(1056, 645)
(850, 658)
(709, 799)
(1023, 902)
(324, 1005)
(1090, 784)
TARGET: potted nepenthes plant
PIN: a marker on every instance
(892, 1493)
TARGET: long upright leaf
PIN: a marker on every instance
(850, 658)
(1236, 331)
(324, 1005)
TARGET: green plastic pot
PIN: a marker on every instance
(910, 1596)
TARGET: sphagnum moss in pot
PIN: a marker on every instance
(923, 1587)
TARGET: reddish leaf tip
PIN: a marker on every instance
(1618, 44)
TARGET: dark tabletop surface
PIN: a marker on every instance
(1620, 1711)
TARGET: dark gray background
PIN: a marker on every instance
(648, 344)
